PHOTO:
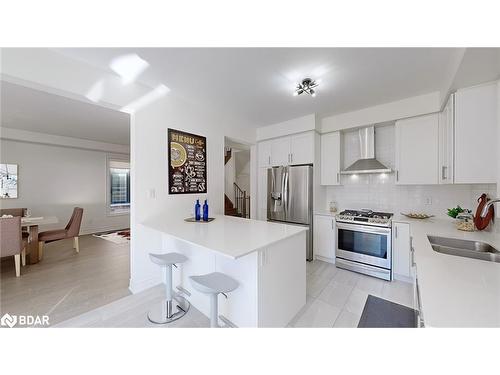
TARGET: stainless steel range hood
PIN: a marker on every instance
(367, 162)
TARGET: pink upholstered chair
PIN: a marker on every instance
(11, 242)
(72, 230)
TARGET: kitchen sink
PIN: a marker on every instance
(465, 248)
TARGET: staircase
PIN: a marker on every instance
(227, 154)
(229, 208)
(241, 205)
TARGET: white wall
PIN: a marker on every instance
(54, 179)
(293, 126)
(230, 177)
(150, 173)
(242, 169)
(498, 146)
(409, 107)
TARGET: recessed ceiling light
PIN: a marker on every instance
(128, 67)
(306, 86)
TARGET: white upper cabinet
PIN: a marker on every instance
(446, 142)
(264, 154)
(302, 148)
(475, 134)
(324, 237)
(280, 151)
(330, 158)
(417, 150)
(289, 150)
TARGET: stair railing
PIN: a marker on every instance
(241, 201)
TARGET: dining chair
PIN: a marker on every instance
(72, 230)
(11, 241)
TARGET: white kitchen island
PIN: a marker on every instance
(267, 259)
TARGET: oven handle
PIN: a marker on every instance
(363, 228)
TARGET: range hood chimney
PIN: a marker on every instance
(367, 162)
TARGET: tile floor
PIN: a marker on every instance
(335, 298)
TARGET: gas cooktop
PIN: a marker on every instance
(365, 217)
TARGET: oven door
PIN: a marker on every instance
(365, 244)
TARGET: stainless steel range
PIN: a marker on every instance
(364, 242)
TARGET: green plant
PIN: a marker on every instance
(453, 212)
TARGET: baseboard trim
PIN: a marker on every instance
(405, 279)
(324, 259)
(137, 286)
(94, 230)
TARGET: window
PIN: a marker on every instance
(119, 186)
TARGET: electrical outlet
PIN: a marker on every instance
(428, 200)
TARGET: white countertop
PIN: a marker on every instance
(230, 236)
(455, 291)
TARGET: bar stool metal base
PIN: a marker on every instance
(158, 314)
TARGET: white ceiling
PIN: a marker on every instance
(38, 111)
(256, 84)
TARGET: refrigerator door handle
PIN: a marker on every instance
(287, 203)
(285, 192)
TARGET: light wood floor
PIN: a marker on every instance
(66, 284)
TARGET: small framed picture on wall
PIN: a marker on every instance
(8, 181)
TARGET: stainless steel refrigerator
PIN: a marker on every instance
(290, 198)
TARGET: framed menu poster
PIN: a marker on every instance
(187, 160)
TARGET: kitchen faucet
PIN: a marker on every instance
(486, 207)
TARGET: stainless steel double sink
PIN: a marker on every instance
(465, 248)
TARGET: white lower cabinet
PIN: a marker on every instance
(401, 262)
(324, 237)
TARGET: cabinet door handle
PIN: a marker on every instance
(291, 158)
(397, 175)
(443, 172)
(396, 232)
(332, 224)
(269, 160)
(338, 177)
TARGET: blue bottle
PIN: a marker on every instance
(197, 210)
(205, 211)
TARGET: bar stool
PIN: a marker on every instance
(166, 312)
(213, 284)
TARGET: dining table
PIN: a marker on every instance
(31, 225)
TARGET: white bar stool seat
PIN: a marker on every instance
(167, 311)
(213, 284)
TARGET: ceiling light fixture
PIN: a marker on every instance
(306, 86)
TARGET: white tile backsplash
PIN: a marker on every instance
(379, 191)
(366, 192)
